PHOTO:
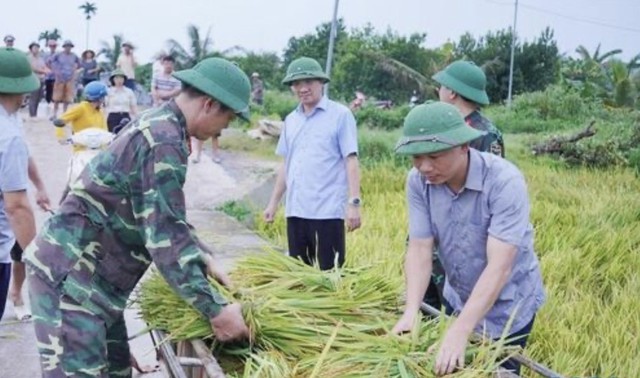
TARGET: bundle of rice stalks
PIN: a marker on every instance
(306, 321)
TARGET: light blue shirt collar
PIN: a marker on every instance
(322, 105)
(475, 173)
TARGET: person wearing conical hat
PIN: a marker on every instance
(474, 206)
(125, 211)
(463, 84)
(17, 226)
(320, 173)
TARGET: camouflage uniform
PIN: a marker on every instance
(125, 211)
(492, 141)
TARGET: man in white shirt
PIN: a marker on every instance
(127, 63)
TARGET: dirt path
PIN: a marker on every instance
(208, 185)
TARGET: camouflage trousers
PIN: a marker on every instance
(433, 296)
(72, 340)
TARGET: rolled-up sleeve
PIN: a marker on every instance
(418, 207)
(509, 210)
(159, 209)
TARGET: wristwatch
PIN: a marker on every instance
(355, 201)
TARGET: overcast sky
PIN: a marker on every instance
(266, 25)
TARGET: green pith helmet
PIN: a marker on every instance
(466, 79)
(117, 72)
(434, 127)
(222, 80)
(304, 68)
(16, 76)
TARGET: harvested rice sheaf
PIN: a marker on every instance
(306, 321)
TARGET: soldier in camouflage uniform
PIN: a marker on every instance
(124, 212)
(463, 84)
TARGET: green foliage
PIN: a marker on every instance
(46, 35)
(376, 118)
(537, 63)
(634, 160)
(111, 52)
(555, 108)
(236, 209)
(198, 48)
(603, 77)
(386, 66)
(88, 9)
(143, 75)
(280, 103)
(377, 148)
(313, 45)
(267, 64)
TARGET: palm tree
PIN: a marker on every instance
(198, 49)
(46, 35)
(89, 9)
(111, 52)
(596, 57)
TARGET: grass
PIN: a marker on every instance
(240, 141)
(238, 210)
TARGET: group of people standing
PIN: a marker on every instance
(62, 73)
(470, 237)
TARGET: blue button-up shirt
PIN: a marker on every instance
(14, 158)
(493, 202)
(315, 148)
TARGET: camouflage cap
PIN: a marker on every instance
(434, 127)
(304, 68)
(466, 79)
(222, 80)
(16, 76)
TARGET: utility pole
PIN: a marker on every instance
(332, 38)
(513, 47)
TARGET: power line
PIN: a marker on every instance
(569, 17)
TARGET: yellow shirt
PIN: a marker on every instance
(81, 117)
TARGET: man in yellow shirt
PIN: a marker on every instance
(86, 115)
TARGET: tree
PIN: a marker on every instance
(198, 49)
(111, 52)
(385, 66)
(536, 63)
(46, 35)
(89, 10)
(267, 64)
(596, 57)
(314, 45)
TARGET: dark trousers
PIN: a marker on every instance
(5, 278)
(34, 100)
(521, 337)
(114, 119)
(320, 241)
(48, 90)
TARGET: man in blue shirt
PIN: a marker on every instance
(17, 222)
(474, 207)
(320, 173)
